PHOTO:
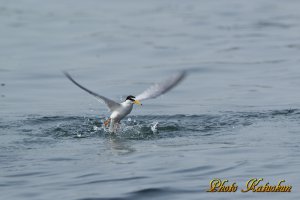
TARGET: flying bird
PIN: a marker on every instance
(120, 110)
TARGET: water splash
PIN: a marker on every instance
(144, 127)
(154, 127)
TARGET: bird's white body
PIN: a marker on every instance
(117, 115)
(121, 110)
(124, 109)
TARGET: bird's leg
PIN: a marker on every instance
(106, 123)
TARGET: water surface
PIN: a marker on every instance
(235, 117)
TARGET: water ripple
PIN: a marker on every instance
(141, 127)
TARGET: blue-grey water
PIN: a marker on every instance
(236, 116)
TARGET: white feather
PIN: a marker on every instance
(162, 87)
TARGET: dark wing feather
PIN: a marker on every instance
(112, 105)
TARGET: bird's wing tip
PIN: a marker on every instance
(65, 73)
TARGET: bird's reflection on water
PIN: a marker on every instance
(119, 145)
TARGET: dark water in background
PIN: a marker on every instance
(235, 117)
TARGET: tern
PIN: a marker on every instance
(121, 110)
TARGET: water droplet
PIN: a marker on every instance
(154, 127)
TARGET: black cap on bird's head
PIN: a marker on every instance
(132, 98)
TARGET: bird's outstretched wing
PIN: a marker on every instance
(112, 105)
(162, 87)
